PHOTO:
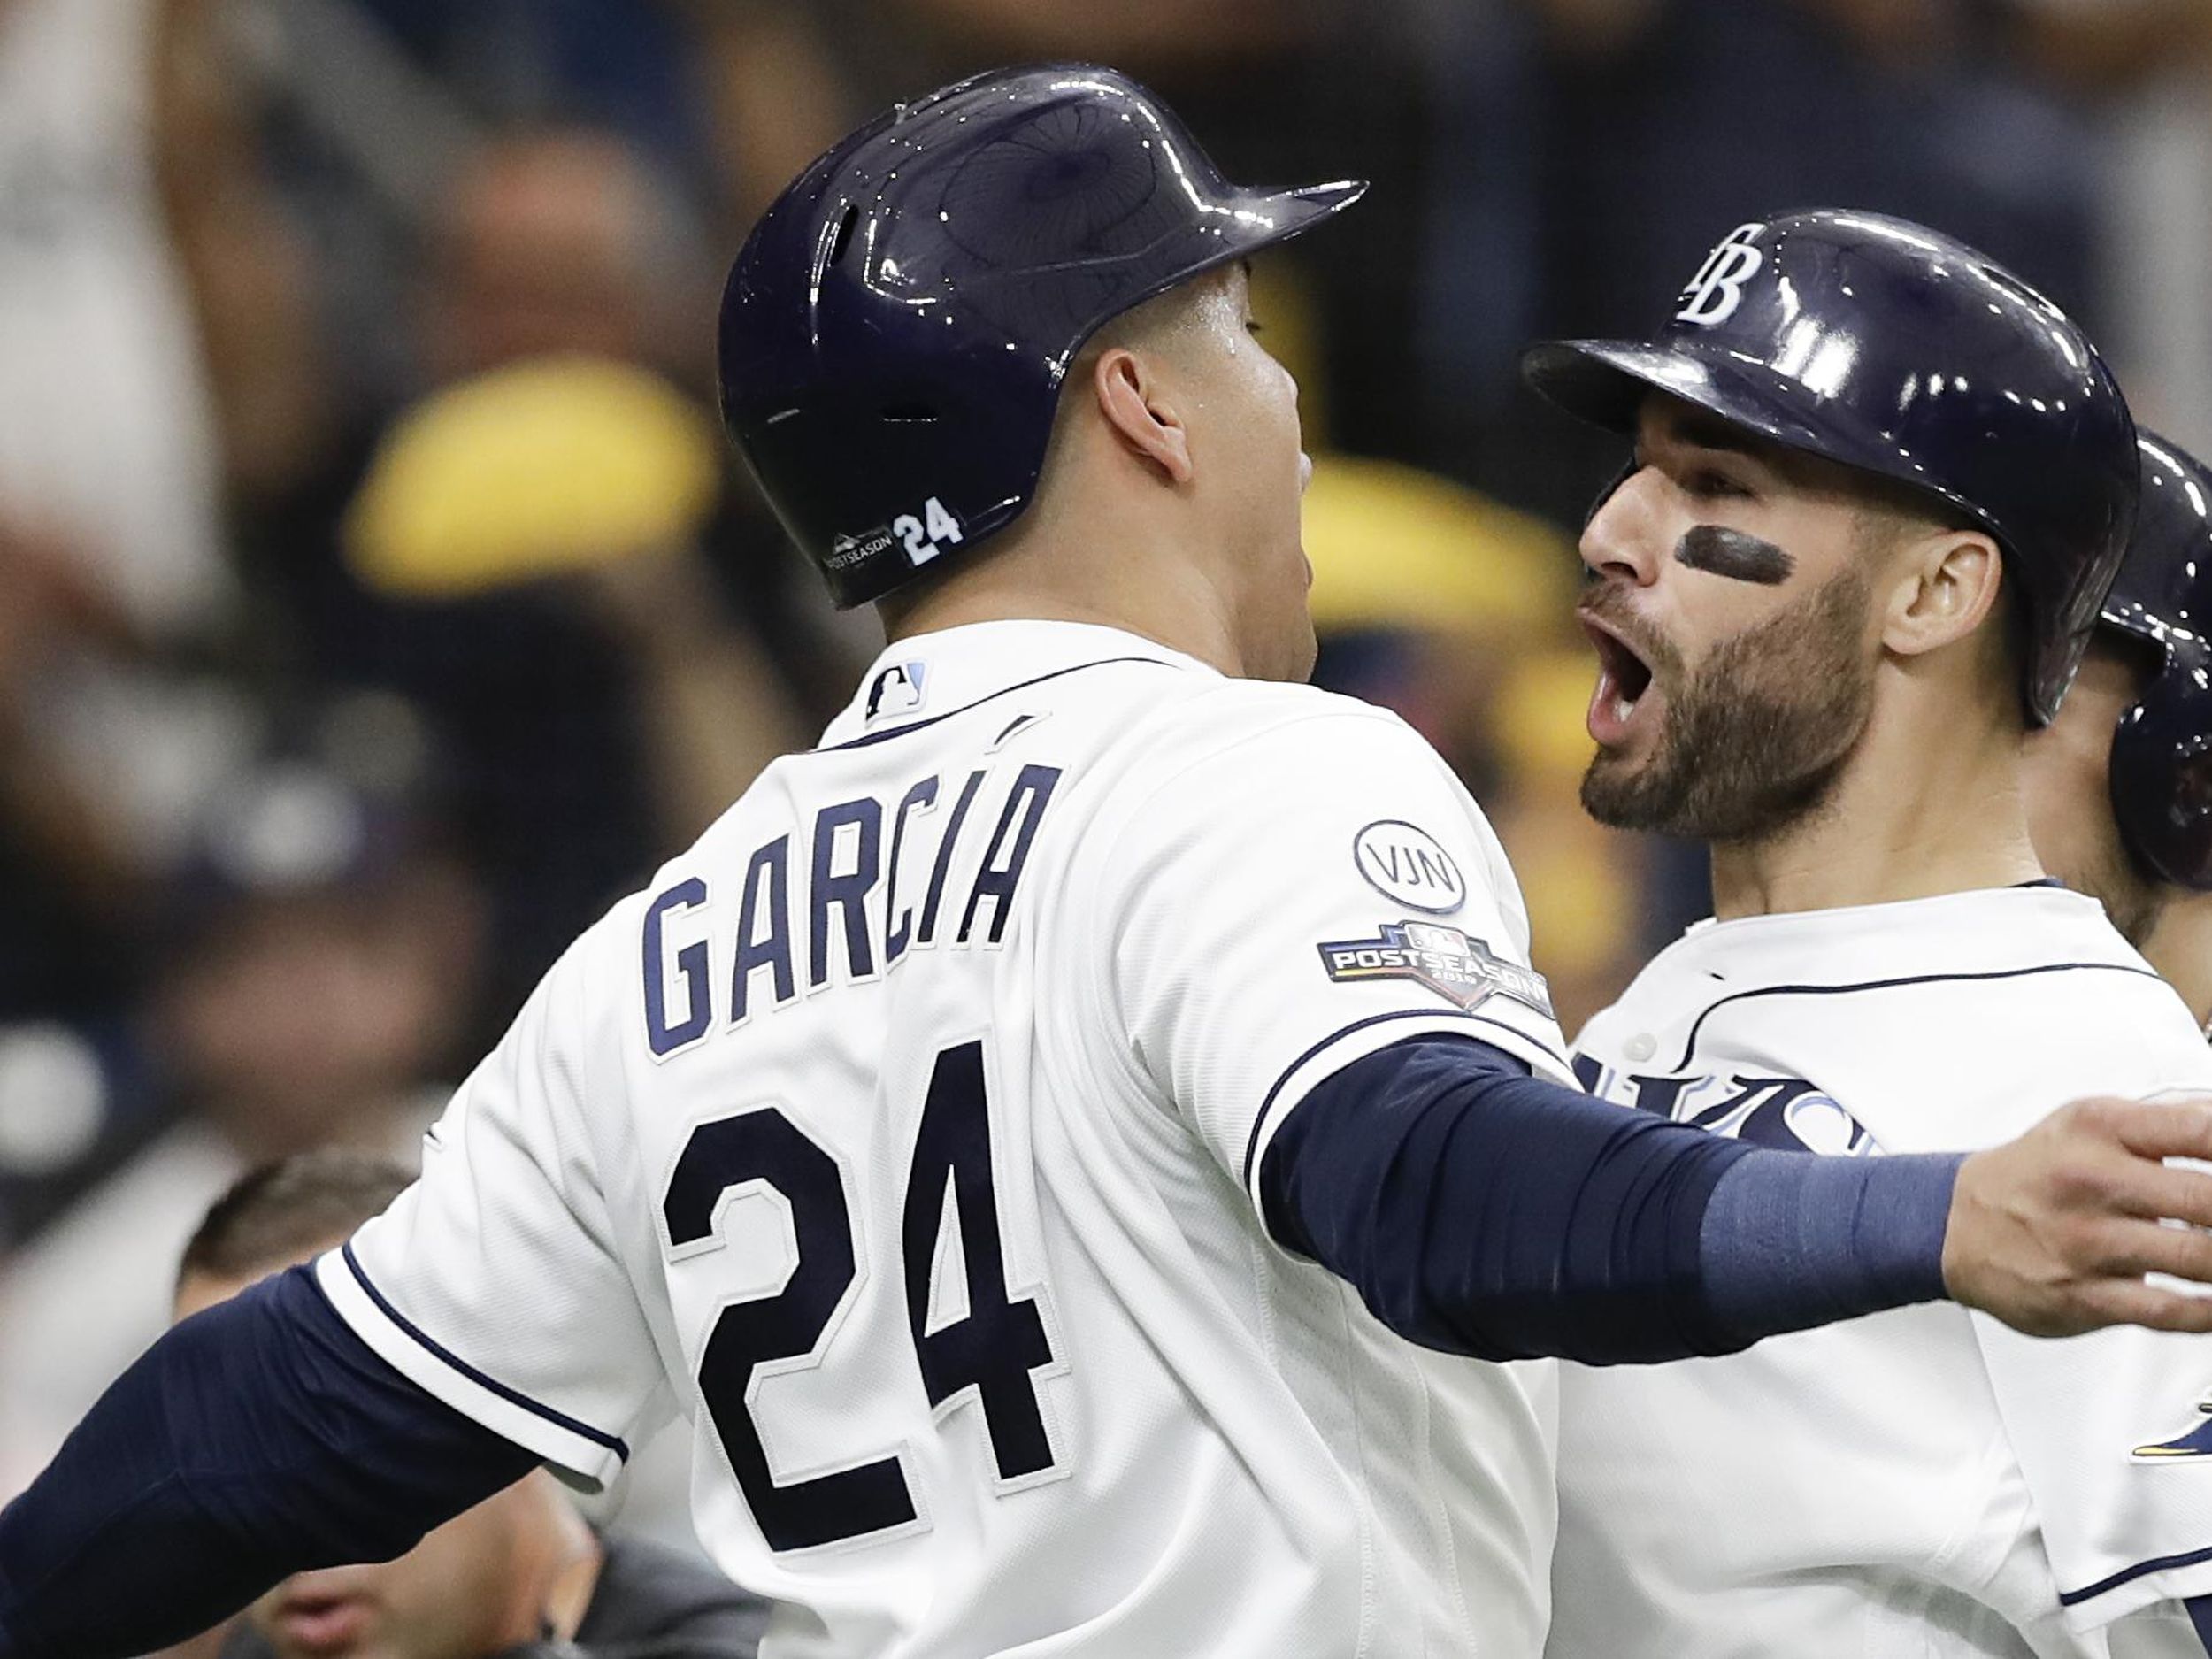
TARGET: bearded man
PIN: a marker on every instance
(1880, 490)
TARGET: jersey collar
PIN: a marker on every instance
(1974, 928)
(926, 675)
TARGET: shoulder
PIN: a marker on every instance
(2095, 991)
(1228, 711)
(2143, 1031)
(648, 1590)
(1248, 738)
(1281, 786)
(1243, 755)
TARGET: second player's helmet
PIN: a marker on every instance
(2162, 755)
(1890, 347)
(897, 326)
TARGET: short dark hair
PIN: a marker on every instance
(273, 1215)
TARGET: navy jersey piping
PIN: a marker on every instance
(1267, 1103)
(871, 738)
(560, 1419)
(1689, 1045)
(2129, 1575)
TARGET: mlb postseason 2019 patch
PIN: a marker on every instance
(1458, 967)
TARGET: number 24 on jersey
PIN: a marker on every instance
(993, 1350)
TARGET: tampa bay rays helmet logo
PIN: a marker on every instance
(1714, 293)
(2194, 1442)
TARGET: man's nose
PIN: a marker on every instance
(1621, 539)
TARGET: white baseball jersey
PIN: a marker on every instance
(1924, 1481)
(904, 1134)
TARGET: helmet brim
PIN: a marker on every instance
(1310, 203)
(1239, 226)
(1606, 381)
(1251, 220)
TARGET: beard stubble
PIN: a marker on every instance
(1758, 735)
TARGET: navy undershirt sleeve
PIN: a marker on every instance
(257, 1439)
(1791, 1240)
(1481, 1210)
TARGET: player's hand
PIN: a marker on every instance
(2054, 1233)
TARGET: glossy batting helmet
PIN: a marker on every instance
(1889, 348)
(896, 328)
(2162, 755)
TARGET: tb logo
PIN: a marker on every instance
(1717, 290)
(1785, 1113)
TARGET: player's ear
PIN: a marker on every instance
(1944, 585)
(1133, 396)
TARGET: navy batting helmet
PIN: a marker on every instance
(2162, 755)
(1894, 349)
(897, 326)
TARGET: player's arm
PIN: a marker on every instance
(1396, 1106)
(1483, 1210)
(339, 1412)
(257, 1439)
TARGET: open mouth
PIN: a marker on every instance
(1624, 680)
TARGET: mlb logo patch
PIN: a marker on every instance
(898, 689)
(1458, 967)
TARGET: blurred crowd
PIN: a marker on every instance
(378, 600)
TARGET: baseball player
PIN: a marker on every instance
(1076, 1142)
(1880, 490)
(2120, 784)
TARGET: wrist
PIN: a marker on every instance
(1903, 1221)
(1792, 1238)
